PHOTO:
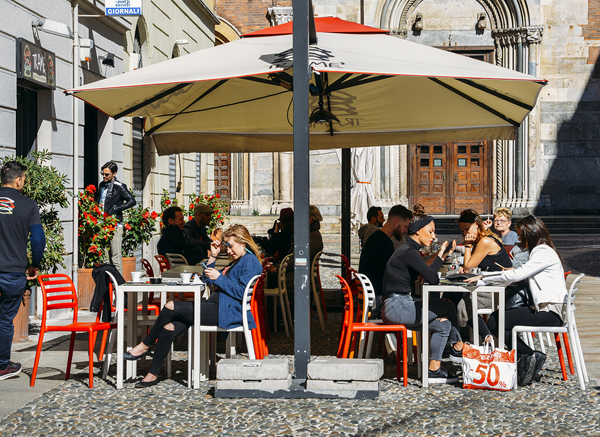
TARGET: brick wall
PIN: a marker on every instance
(245, 15)
(592, 30)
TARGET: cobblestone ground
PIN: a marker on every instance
(548, 408)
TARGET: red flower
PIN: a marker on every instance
(146, 214)
(167, 202)
(93, 248)
(128, 227)
(91, 188)
(154, 215)
(217, 195)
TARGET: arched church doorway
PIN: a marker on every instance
(447, 178)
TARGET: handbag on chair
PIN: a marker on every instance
(486, 367)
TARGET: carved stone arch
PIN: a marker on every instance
(393, 14)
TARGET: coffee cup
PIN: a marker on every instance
(185, 277)
(136, 276)
(156, 280)
(476, 270)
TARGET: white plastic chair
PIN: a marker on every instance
(368, 305)
(281, 293)
(317, 292)
(176, 259)
(230, 348)
(569, 327)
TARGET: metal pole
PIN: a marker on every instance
(74, 203)
(301, 191)
(346, 249)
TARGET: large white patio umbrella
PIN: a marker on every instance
(376, 90)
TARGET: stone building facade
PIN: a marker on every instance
(37, 115)
(550, 168)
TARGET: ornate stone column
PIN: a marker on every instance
(515, 181)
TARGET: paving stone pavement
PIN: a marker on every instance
(550, 407)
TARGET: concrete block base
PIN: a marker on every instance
(315, 384)
(345, 369)
(253, 370)
(265, 384)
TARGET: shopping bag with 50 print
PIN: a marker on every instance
(488, 368)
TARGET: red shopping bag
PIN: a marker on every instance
(488, 368)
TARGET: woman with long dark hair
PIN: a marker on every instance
(223, 308)
(545, 275)
(400, 307)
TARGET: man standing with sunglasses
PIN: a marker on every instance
(114, 198)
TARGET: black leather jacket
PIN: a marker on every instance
(118, 198)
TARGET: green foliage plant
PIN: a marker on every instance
(218, 205)
(139, 225)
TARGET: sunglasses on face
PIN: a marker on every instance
(227, 244)
(105, 174)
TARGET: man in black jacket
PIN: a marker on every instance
(114, 197)
(173, 239)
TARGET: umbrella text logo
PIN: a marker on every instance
(316, 57)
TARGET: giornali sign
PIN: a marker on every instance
(123, 7)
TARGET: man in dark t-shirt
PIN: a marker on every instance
(379, 248)
(19, 216)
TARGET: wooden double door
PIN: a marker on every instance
(448, 178)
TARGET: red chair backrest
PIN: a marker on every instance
(163, 263)
(348, 301)
(147, 267)
(58, 292)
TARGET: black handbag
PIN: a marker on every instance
(517, 295)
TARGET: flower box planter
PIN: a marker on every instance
(85, 288)
(21, 321)
(128, 267)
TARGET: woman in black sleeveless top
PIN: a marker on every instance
(483, 249)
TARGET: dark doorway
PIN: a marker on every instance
(447, 178)
(91, 169)
(27, 124)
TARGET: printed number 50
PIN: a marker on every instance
(481, 371)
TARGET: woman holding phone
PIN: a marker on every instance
(223, 308)
(400, 307)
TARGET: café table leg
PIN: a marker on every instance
(131, 331)
(425, 362)
(502, 320)
(120, 336)
(197, 323)
(475, 318)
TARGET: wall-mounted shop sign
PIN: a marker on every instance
(123, 7)
(35, 64)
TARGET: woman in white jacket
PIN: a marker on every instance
(545, 275)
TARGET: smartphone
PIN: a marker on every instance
(204, 266)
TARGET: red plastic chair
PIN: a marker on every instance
(258, 313)
(163, 263)
(58, 292)
(350, 328)
(148, 267)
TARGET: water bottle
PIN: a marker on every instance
(454, 267)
